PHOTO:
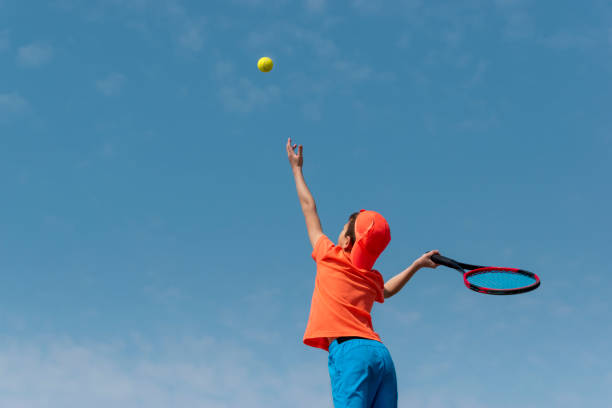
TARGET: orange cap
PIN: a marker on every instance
(372, 235)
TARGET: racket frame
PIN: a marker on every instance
(477, 269)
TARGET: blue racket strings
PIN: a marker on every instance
(500, 280)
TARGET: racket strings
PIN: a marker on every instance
(500, 279)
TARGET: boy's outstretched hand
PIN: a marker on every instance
(296, 160)
(425, 260)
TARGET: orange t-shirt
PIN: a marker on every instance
(343, 297)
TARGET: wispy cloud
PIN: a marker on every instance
(519, 23)
(443, 397)
(572, 39)
(107, 150)
(192, 37)
(354, 71)
(224, 69)
(315, 5)
(185, 372)
(404, 40)
(184, 25)
(190, 27)
(366, 6)
(12, 104)
(320, 44)
(111, 85)
(477, 76)
(245, 97)
(34, 55)
(393, 315)
(240, 94)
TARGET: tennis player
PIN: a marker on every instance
(360, 367)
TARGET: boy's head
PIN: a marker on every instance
(365, 236)
(347, 235)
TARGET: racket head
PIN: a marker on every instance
(492, 280)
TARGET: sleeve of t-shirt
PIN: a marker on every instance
(322, 246)
(380, 288)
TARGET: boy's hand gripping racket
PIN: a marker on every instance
(492, 280)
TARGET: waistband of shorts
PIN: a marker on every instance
(356, 339)
(341, 340)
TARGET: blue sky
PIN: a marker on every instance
(152, 248)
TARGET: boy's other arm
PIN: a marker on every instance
(309, 208)
(396, 283)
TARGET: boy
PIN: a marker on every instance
(360, 367)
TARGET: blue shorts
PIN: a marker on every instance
(362, 374)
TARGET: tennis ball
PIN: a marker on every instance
(265, 64)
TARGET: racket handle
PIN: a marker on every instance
(442, 260)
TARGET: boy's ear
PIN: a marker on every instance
(349, 244)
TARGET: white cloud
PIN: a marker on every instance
(477, 76)
(519, 24)
(323, 47)
(111, 85)
(366, 6)
(190, 27)
(354, 71)
(566, 40)
(192, 37)
(184, 25)
(393, 315)
(316, 5)
(243, 96)
(12, 104)
(404, 40)
(441, 398)
(108, 150)
(240, 94)
(188, 372)
(224, 69)
(280, 37)
(34, 55)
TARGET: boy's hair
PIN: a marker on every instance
(350, 231)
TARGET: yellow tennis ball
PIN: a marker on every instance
(265, 64)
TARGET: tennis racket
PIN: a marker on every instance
(492, 280)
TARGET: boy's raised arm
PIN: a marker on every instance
(309, 208)
(396, 283)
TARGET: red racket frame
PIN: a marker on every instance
(476, 269)
(491, 291)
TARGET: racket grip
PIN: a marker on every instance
(442, 260)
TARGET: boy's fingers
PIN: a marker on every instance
(300, 150)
